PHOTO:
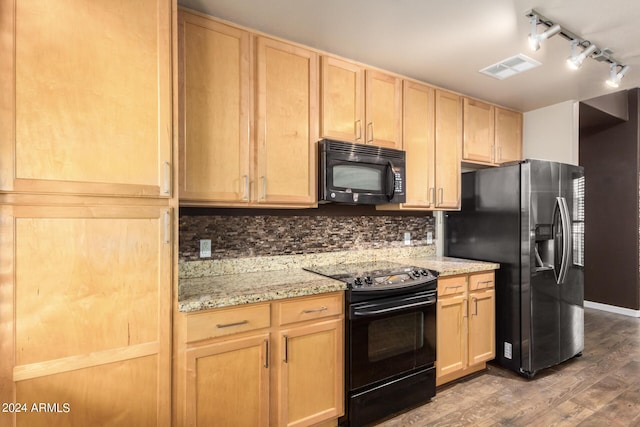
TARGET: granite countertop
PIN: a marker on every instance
(447, 266)
(201, 293)
(214, 291)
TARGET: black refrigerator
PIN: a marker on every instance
(529, 217)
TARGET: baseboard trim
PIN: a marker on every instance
(612, 309)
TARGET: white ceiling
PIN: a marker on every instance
(446, 42)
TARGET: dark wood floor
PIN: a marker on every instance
(601, 388)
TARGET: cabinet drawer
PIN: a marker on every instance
(302, 309)
(481, 281)
(452, 285)
(227, 321)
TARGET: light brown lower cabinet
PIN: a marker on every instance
(277, 363)
(465, 325)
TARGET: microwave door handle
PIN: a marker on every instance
(390, 181)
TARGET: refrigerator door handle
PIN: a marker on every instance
(565, 220)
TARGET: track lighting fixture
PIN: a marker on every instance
(615, 76)
(589, 49)
(576, 59)
(535, 38)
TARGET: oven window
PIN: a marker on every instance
(395, 335)
(358, 177)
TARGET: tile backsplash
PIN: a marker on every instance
(247, 233)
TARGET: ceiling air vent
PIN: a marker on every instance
(510, 67)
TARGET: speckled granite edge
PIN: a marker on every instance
(203, 293)
(191, 269)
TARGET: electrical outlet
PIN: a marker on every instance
(407, 238)
(205, 248)
(429, 238)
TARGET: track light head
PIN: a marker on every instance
(535, 38)
(615, 77)
(575, 60)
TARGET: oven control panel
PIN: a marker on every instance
(411, 277)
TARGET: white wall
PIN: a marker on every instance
(551, 133)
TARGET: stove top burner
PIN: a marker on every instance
(378, 275)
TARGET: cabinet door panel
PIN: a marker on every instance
(214, 118)
(383, 109)
(508, 135)
(94, 115)
(287, 123)
(478, 131)
(481, 326)
(451, 335)
(448, 147)
(87, 279)
(418, 142)
(342, 100)
(312, 363)
(228, 383)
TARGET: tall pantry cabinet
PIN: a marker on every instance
(86, 212)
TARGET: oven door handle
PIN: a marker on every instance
(430, 301)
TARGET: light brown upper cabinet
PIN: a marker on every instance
(248, 118)
(214, 115)
(448, 147)
(492, 135)
(360, 105)
(418, 140)
(508, 135)
(86, 97)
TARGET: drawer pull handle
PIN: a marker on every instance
(452, 287)
(317, 310)
(485, 282)
(228, 325)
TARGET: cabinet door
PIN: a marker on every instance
(478, 131)
(287, 127)
(86, 104)
(214, 110)
(383, 109)
(88, 311)
(418, 142)
(311, 387)
(228, 383)
(481, 326)
(448, 147)
(451, 346)
(342, 100)
(508, 125)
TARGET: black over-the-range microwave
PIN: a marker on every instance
(360, 174)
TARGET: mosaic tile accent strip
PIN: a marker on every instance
(242, 236)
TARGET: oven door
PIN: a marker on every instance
(390, 337)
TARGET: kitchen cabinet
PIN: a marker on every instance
(419, 143)
(360, 105)
(492, 135)
(508, 135)
(448, 147)
(465, 325)
(274, 363)
(214, 127)
(432, 135)
(86, 211)
(82, 321)
(89, 117)
(230, 156)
